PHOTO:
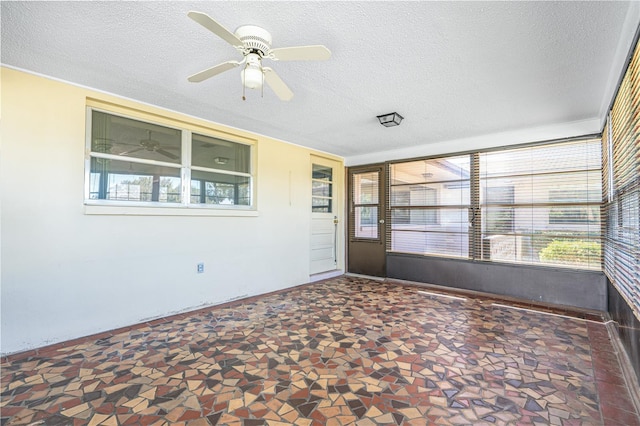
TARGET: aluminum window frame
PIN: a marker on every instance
(476, 223)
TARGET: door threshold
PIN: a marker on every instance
(369, 277)
(325, 275)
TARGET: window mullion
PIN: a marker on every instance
(475, 218)
(186, 167)
(223, 172)
(133, 160)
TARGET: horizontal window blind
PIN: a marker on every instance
(622, 235)
(429, 202)
(541, 204)
(608, 211)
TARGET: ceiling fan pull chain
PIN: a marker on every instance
(243, 86)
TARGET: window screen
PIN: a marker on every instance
(541, 204)
(622, 207)
(429, 203)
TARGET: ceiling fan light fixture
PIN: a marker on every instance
(391, 119)
(252, 73)
(252, 77)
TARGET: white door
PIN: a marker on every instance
(324, 216)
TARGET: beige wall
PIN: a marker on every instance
(66, 273)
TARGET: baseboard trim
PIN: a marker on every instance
(50, 349)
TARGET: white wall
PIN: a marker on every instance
(67, 274)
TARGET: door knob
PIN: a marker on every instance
(381, 220)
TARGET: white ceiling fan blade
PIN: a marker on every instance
(210, 72)
(301, 53)
(277, 85)
(208, 22)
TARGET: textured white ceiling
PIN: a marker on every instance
(454, 70)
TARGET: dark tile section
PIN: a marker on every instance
(616, 405)
(346, 351)
(627, 324)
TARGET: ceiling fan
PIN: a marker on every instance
(153, 145)
(254, 43)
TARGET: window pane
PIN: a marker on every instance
(438, 192)
(116, 135)
(366, 222)
(498, 219)
(577, 187)
(322, 173)
(365, 188)
(219, 188)
(541, 204)
(437, 220)
(528, 219)
(321, 189)
(219, 154)
(127, 181)
(544, 248)
(434, 194)
(444, 169)
(555, 158)
(321, 205)
(414, 217)
(622, 243)
(435, 243)
(414, 195)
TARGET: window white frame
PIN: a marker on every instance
(329, 198)
(185, 206)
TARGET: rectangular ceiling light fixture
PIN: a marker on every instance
(390, 120)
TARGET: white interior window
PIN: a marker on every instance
(138, 163)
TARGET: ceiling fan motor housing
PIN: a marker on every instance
(255, 39)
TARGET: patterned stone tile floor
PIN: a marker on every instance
(347, 351)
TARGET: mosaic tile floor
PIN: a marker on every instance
(347, 351)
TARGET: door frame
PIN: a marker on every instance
(374, 249)
(337, 214)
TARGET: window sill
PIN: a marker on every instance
(120, 210)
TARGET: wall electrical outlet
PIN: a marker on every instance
(200, 268)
